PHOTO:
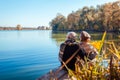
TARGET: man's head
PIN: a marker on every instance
(71, 35)
(84, 36)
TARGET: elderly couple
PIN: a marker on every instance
(70, 46)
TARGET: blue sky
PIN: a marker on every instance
(34, 13)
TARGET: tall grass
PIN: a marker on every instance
(96, 70)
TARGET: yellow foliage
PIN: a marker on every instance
(96, 44)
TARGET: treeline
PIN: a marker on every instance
(103, 17)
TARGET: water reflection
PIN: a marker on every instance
(60, 37)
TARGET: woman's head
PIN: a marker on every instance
(71, 35)
(84, 36)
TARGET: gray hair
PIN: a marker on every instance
(71, 35)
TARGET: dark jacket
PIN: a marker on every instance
(70, 49)
(62, 47)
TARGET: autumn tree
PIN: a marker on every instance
(103, 17)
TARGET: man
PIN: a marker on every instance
(70, 38)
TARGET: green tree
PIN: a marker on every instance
(19, 27)
(58, 22)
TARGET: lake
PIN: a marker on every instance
(27, 55)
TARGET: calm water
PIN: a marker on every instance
(26, 55)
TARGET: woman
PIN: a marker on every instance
(90, 51)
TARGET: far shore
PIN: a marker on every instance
(23, 28)
(48, 28)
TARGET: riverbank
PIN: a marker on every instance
(54, 75)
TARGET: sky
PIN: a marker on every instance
(34, 13)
